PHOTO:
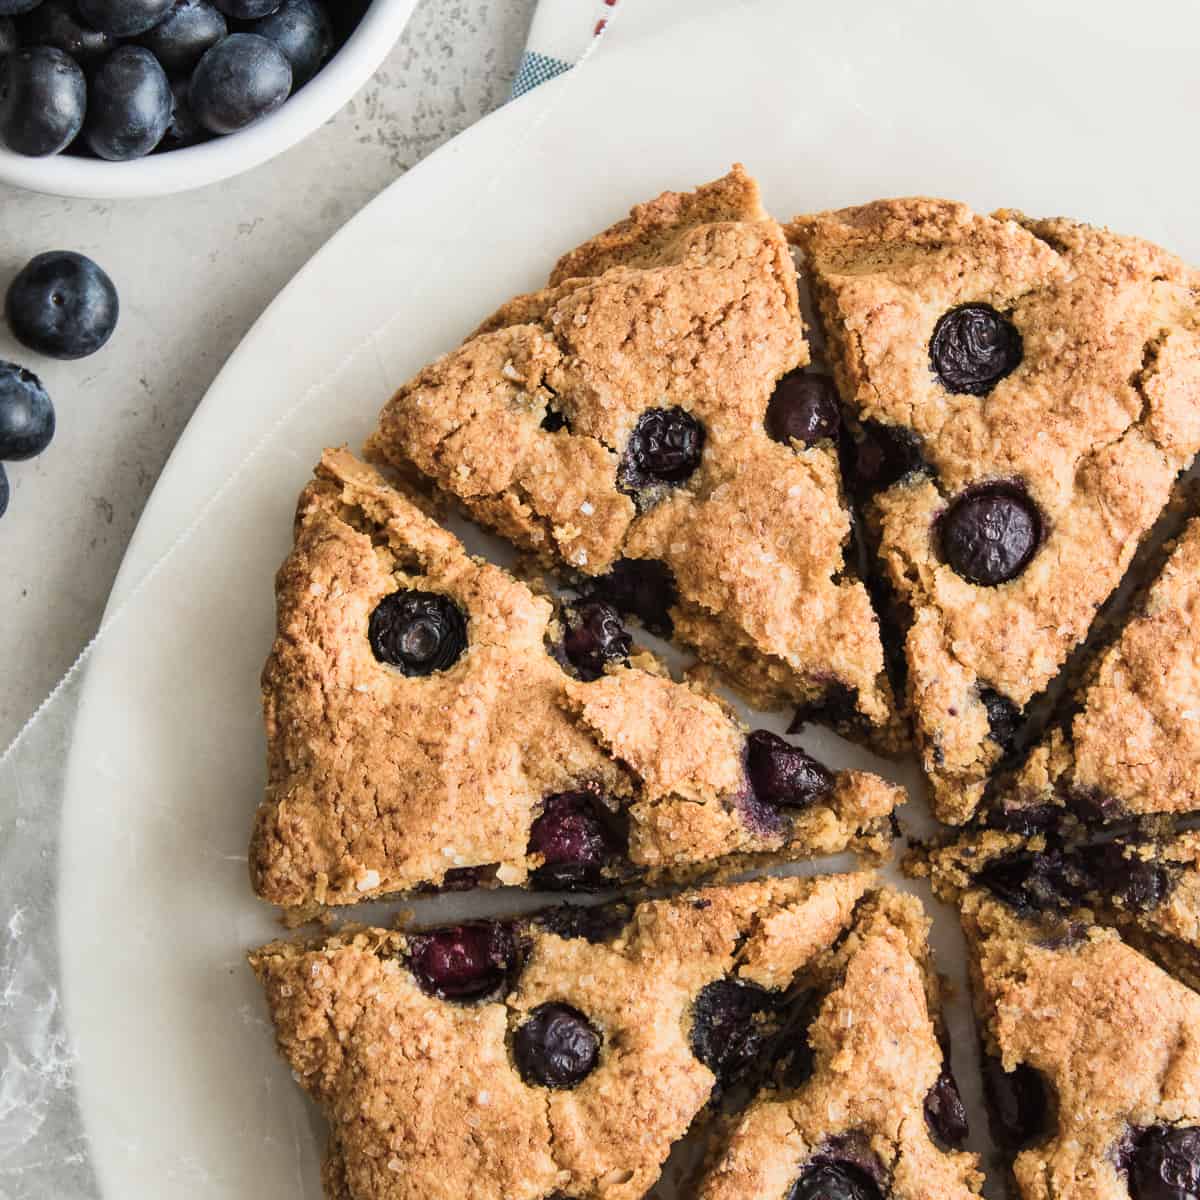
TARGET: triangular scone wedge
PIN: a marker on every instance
(616, 424)
(1026, 392)
(475, 751)
(867, 1108)
(558, 1055)
(1093, 1057)
(1129, 745)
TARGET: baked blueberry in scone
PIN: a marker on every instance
(1020, 395)
(556, 1055)
(647, 424)
(431, 721)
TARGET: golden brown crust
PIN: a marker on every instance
(379, 783)
(1096, 422)
(422, 1096)
(690, 302)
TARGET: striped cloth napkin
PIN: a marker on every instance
(561, 32)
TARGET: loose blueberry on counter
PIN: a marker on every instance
(247, 10)
(301, 29)
(26, 414)
(803, 408)
(55, 23)
(666, 446)
(945, 1112)
(729, 1028)
(1164, 1163)
(180, 39)
(642, 587)
(8, 36)
(43, 99)
(4, 491)
(990, 533)
(63, 305)
(783, 775)
(594, 637)
(122, 18)
(15, 8)
(829, 1179)
(129, 105)
(462, 962)
(973, 347)
(557, 1047)
(184, 130)
(1017, 1104)
(419, 632)
(239, 81)
(574, 841)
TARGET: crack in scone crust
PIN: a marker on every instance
(1095, 423)
(379, 782)
(689, 303)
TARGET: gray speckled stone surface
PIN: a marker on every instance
(194, 271)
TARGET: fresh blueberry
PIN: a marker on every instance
(63, 305)
(419, 632)
(945, 1113)
(122, 18)
(238, 81)
(15, 8)
(642, 587)
(594, 637)
(781, 774)
(1018, 1107)
(184, 130)
(55, 23)
(247, 10)
(462, 962)
(43, 99)
(729, 1027)
(180, 39)
(990, 533)
(803, 408)
(973, 347)
(130, 105)
(557, 1047)
(825, 1178)
(3, 490)
(301, 29)
(1004, 717)
(882, 455)
(574, 840)
(666, 446)
(8, 36)
(26, 414)
(1164, 1163)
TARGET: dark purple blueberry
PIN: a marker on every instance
(62, 304)
(1004, 717)
(4, 490)
(642, 587)
(301, 29)
(462, 962)
(783, 775)
(973, 347)
(122, 18)
(837, 706)
(553, 421)
(803, 408)
(184, 130)
(665, 446)
(26, 414)
(15, 8)
(1138, 883)
(729, 1027)
(1165, 1163)
(557, 1047)
(55, 23)
(462, 879)
(1013, 818)
(594, 637)
(179, 41)
(419, 632)
(829, 1179)
(990, 533)
(1018, 1107)
(239, 81)
(945, 1112)
(595, 923)
(129, 105)
(8, 36)
(882, 455)
(574, 840)
(1046, 881)
(247, 10)
(1093, 807)
(43, 100)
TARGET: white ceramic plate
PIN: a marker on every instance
(1053, 107)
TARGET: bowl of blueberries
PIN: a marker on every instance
(109, 99)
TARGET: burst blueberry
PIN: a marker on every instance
(594, 637)
(803, 408)
(463, 962)
(574, 841)
(783, 775)
(729, 1028)
(974, 347)
(666, 446)
(557, 1047)
(1165, 1163)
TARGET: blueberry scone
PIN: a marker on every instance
(1022, 394)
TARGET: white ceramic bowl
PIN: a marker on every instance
(179, 170)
